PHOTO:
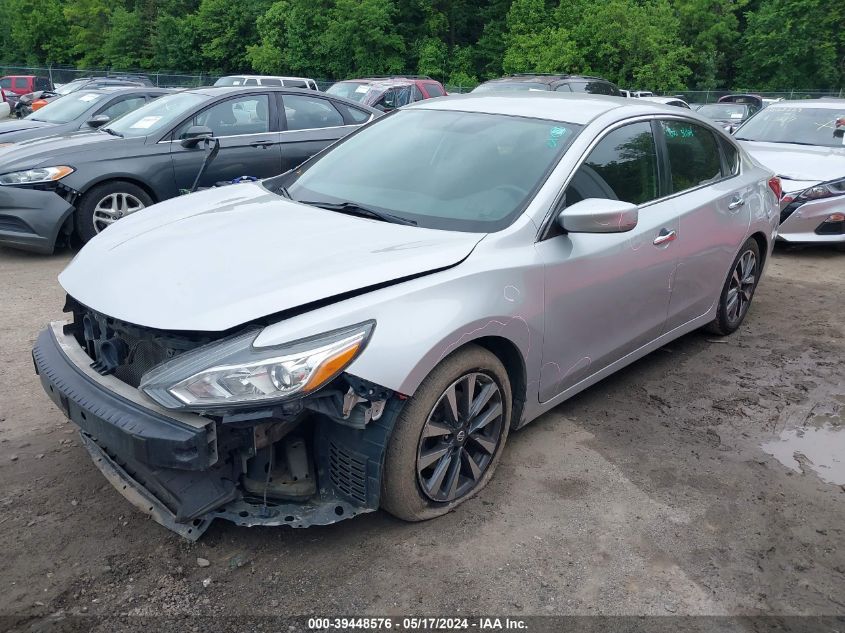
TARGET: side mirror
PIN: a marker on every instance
(98, 121)
(599, 215)
(195, 134)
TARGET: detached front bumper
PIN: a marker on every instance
(806, 223)
(184, 470)
(31, 219)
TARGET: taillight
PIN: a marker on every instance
(774, 185)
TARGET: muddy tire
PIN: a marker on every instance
(449, 437)
(105, 204)
(738, 290)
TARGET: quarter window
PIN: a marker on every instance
(623, 166)
(306, 113)
(434, 90)
(731, 159)
(694, 158)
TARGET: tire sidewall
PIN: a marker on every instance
(84, 215)
(401, 492)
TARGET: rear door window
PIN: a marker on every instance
(270, 81)
(21, 83)
(122, 106)
(306, 113)
(693, 153)
(623, 166)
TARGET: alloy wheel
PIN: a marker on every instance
(741, 288)
(460, 437)
(113, 207)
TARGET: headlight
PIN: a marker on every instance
(233, 373)
(824, 190)
(36, 175)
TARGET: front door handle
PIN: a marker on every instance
(736, 203)
(262, 144)
(664, 237)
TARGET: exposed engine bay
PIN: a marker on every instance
(308, 461)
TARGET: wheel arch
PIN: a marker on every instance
(763, 244)
(508, 353)
(109, 178)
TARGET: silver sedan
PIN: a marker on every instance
(804, 143)
(365, 330)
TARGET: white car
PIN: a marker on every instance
(5, 109)
(267, 80)
(672, 101)
(804, 143)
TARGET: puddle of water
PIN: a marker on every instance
(819, 448)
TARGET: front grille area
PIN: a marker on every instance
(125, 350)
(348, 473)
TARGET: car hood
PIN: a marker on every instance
(804, 164)
(20, 125)
(49, 149)
(223, 257)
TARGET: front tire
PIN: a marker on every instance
(105, 204)
(448, 439)
(738, 290)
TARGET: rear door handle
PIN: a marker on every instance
(736, 203)
(664, 237)
(263, 144)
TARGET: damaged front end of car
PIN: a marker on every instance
(190, 427)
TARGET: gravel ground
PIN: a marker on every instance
(648, 494)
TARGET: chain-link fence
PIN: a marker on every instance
(710, 96)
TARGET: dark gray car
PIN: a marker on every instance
(54, 187)
(83, 110)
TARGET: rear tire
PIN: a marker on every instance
(106, 203)
(427, 470)
(738, 290)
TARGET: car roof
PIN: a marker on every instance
(543, 79)
(662, 99)
(554, 106)
(214, 91)
(111, 90)
(580, 108)
(267, 77)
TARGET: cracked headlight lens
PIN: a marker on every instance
(233, 373)
(36, 175)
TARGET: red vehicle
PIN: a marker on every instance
(387, 93)
(24, 84)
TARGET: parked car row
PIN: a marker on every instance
(75, 183)
(364, 330)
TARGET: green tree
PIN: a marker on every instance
(126, 42)
(225, 30)
(361, 39)
(791, 44)
(37, 31)
(711, 30)
(534, 42)
(88, 26)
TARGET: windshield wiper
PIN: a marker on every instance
(108, 130)
(353, 208)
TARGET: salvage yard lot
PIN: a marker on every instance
(647, 494)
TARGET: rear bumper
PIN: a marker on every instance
(31, 219)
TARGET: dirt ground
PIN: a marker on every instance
(648, 494)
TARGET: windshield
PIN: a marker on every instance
(461, 171)
(501, 86)
(723, 111)
(355, 90)
(230, 81)
(807, 126)
(66, 108)
(157, 115)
